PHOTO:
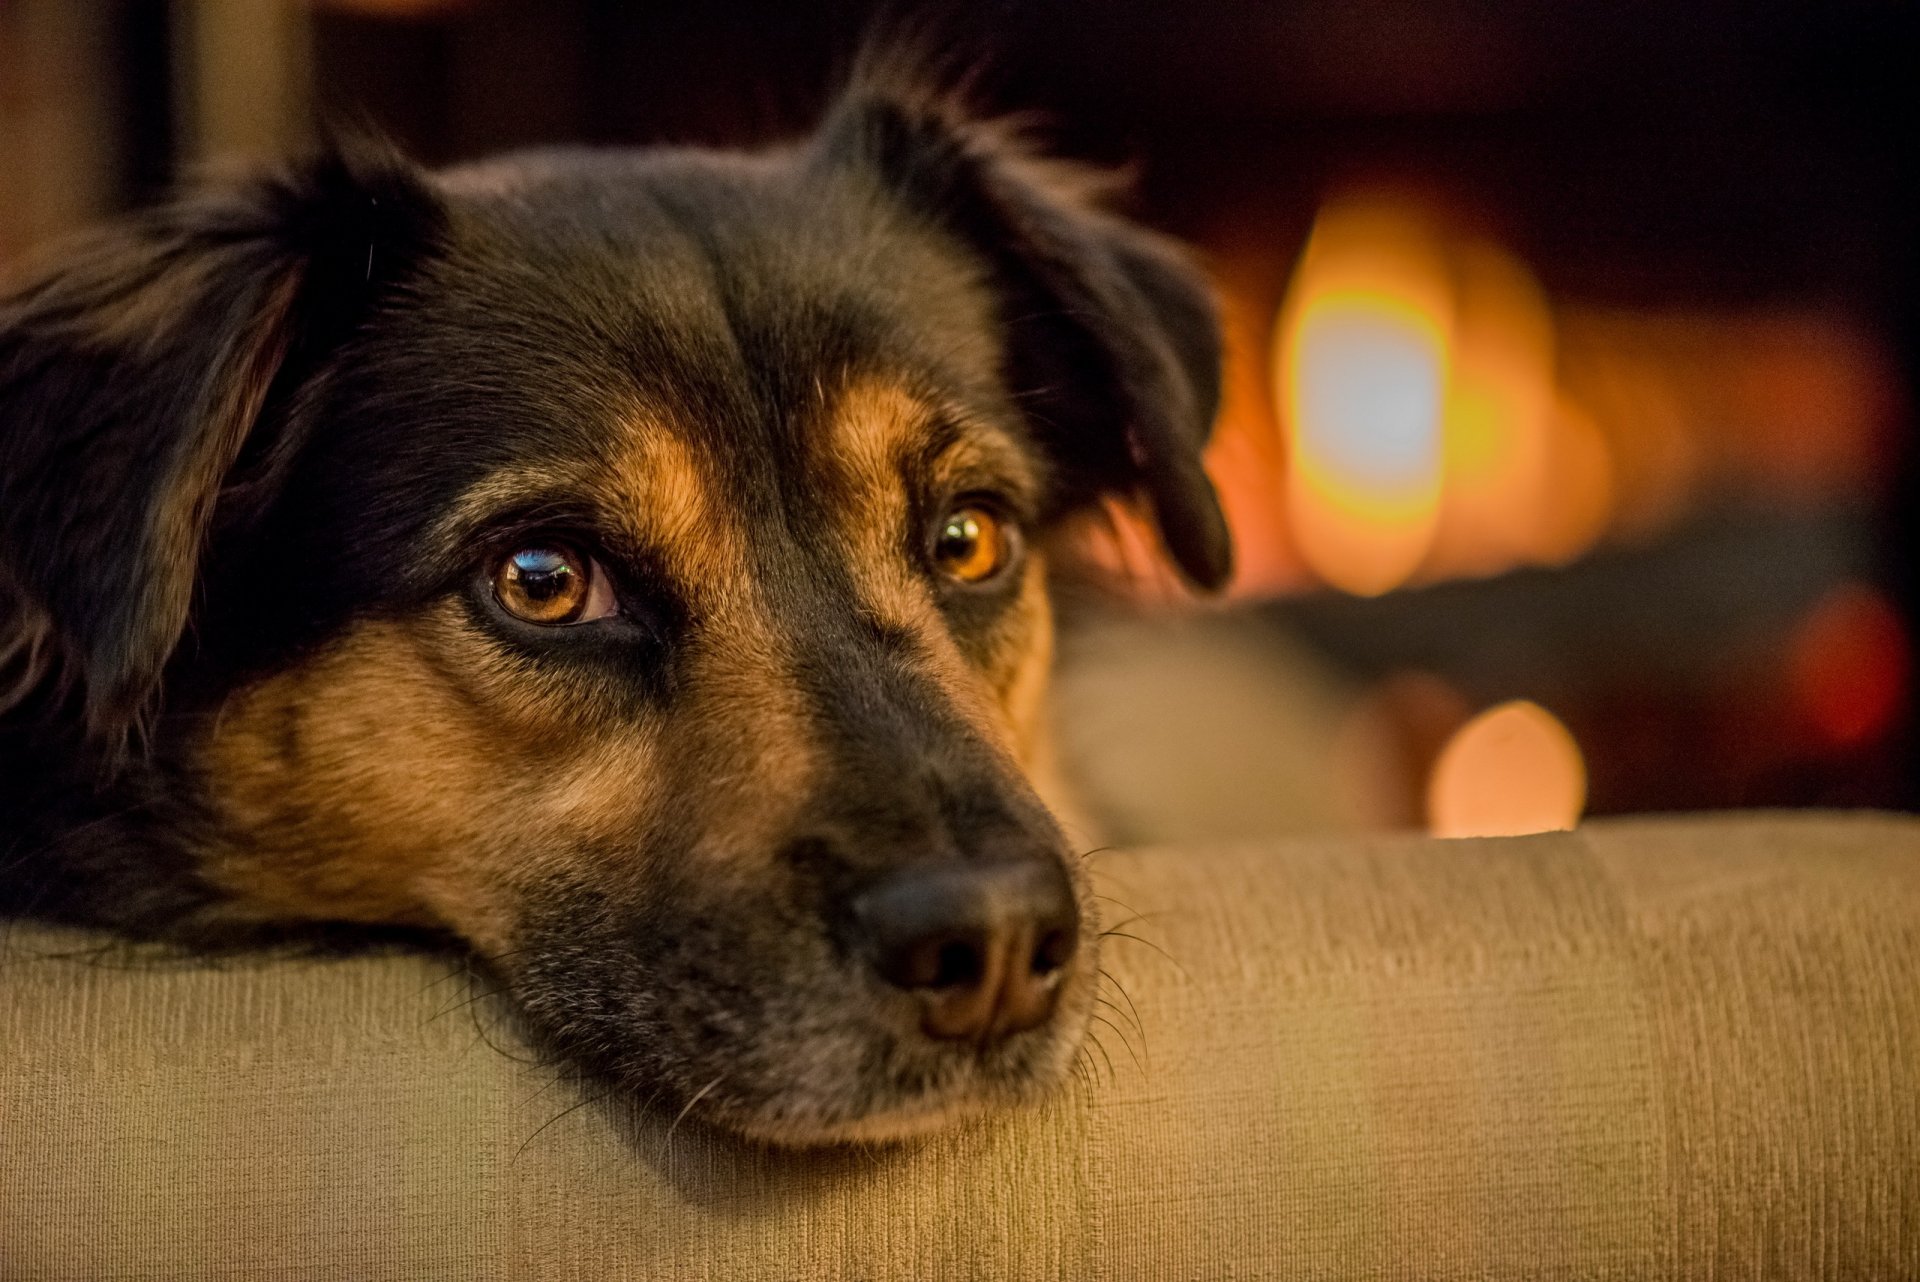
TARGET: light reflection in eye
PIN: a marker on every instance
(553, 585)
(972, 544)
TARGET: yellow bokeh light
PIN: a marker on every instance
(1513, 769)
(1362, 351)
(1426, 432)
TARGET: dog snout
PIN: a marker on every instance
(982, 946)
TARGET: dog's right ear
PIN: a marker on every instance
(135, 367)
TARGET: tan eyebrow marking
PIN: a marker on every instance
(668, 497)
(649, 482)
(875, 426)
(876, 431)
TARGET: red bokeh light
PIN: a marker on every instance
(1849, 664)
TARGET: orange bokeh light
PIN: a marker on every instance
(1498, 416)
(1577, 487)
(1513, 769)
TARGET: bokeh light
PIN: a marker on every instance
(1513, 769)
(1849, 665)
(1362, 352)
(1498, 415)
(1427, 433)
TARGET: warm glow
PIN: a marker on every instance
(1246, 458)
(1362, 368)
(1513, 769)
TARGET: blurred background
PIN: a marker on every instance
(1568, 442)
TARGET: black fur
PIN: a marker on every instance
(141, 381)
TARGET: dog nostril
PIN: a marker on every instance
(934, 962)
(982, 947)
(1055, 950)
(958, 963)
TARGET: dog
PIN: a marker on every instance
(632, 565)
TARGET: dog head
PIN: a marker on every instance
(631, 563)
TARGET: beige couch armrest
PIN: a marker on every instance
(1671, 1049)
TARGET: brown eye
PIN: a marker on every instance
(553, 585)
(971, 544)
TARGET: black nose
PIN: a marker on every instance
(982, 945)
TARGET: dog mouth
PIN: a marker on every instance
(913, 1118)
(974, 1084)
(786, 1037)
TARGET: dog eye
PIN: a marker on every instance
(971, 544)
(553, 585)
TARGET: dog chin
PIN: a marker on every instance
(931, 1112)
(898, 1125)
(893, 1126)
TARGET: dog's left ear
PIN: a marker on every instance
(136, 372)
(1113, 347)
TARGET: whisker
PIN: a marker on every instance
(1121, 1013)
(480, 995)
(1094, 1041)
(571, 1108)
(1138, 1022)
(558, 1077)
(1123, 1041)
(675, 1124)
(1082, 1074)
(1121, 934)
(1137, 917)
(483, 1035)
(460, 968)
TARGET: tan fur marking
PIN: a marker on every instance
(416, 771)
(875, 431)
(742, 674)
(871, 426)
(1022, 669)
(658, 484)
(370, 784)
(414, 774)
(649, 483)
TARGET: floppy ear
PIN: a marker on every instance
(133, 371)
(1113, 346)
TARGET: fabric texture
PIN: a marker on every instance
(1673, 1049)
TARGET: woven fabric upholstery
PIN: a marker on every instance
(1676, 1049)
